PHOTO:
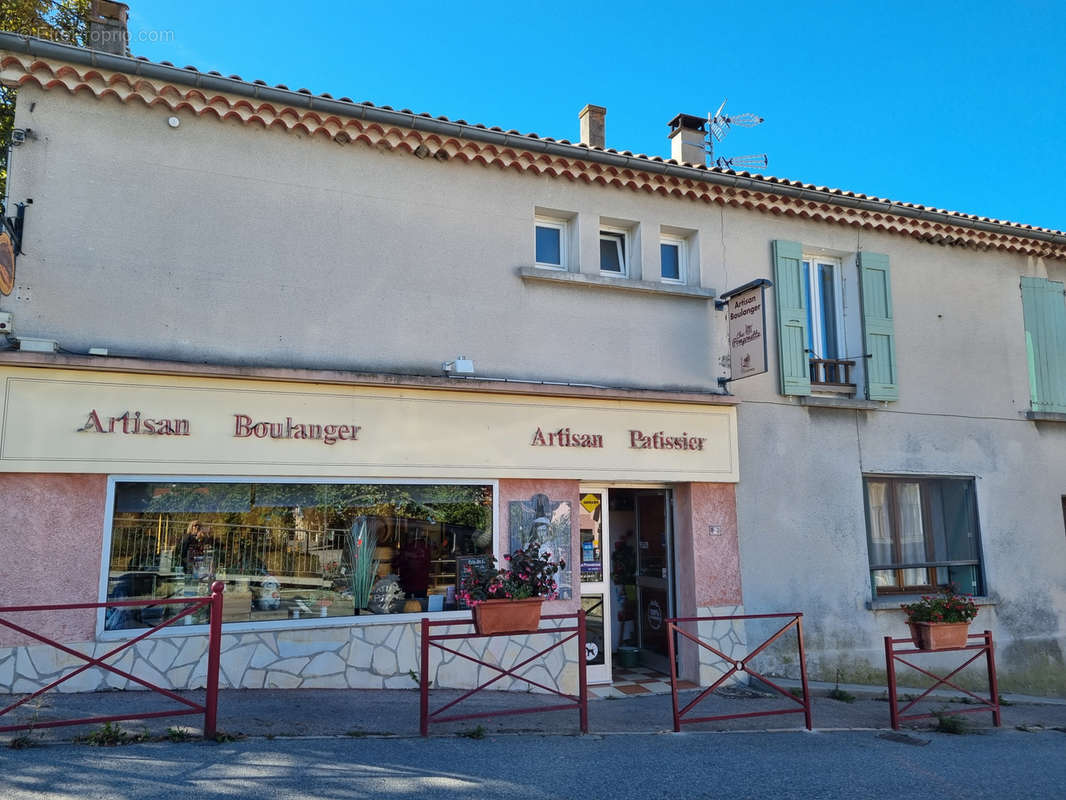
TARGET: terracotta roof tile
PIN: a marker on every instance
(180, 97)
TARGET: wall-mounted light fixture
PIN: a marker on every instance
(460, 366)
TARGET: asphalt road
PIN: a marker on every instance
(847, 764)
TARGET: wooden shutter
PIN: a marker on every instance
(878, 327)
(791, 318)
(1045, 341)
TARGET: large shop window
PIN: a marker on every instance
(292, 551)
(923, 534)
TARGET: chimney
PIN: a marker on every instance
(593, 127)
(107, 27)
(687, 134)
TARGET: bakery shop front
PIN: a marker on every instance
(339, 510)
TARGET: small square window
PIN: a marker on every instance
(613, 252)
(550, 243)
(672, 259)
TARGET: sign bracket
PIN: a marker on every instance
(723, 299)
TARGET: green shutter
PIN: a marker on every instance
(1045, 340)
(791, 318)
(878, 327)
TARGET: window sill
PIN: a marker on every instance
(885, 604)
(816, 401)
(1045, 416)
(606, 282)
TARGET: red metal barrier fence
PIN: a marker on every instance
(983, 647)
(429, 639)
(743, 665)
(209, 708)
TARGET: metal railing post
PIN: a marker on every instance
(670, 628)
(993, 682)
(423, 680)
(214, 657)
(803, 672)
(890, 667)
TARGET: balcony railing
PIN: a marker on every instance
(832, 375)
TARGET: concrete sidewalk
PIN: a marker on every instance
(275, 713)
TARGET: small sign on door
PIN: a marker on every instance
(590, 503)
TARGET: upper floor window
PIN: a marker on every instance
(825, 309)
(922, 534)
(550, 242)
(672, 259)
(819, 347)
(613, 247)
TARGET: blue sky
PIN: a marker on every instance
(957, 105)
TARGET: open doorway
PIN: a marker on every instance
(627, 578)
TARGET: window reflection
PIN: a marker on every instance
(291, 551)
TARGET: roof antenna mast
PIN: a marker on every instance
(718, 125)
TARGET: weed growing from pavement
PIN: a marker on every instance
(23, 741)
(836, 693)
(474, 733)
(222, 737)
(946, 723)
(110, 734)
(178, 734)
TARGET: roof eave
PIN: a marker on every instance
(301, 99)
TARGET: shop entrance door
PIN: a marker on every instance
(595, 586)
(654, 575)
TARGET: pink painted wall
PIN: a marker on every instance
(556, 490)
(51, 532)
(708, 565)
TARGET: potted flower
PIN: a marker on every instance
(941, 621)
(509, 600)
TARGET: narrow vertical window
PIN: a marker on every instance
(613, 252)
(550, 243)
(672, 259)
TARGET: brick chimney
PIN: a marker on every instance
(593, 125)
(107, 27)
(687, 134)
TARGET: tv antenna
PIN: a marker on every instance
(719, 124)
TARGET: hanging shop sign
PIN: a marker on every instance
(746, 308)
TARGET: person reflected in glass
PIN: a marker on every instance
(197, 553)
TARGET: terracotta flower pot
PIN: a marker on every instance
(939, 635)
(508, 616)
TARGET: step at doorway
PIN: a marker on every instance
(635, 681)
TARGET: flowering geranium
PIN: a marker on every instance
(530, 573)
(944, 607)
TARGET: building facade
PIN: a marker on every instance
(245, 320)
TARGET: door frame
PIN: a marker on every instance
(600, 673)
(660, 662)
(604, 489)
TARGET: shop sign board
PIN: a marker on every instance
(746, 309)
(56, 420)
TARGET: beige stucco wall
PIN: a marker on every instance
(223, 242)
(963, 387)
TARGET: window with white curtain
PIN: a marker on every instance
(923, 534)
